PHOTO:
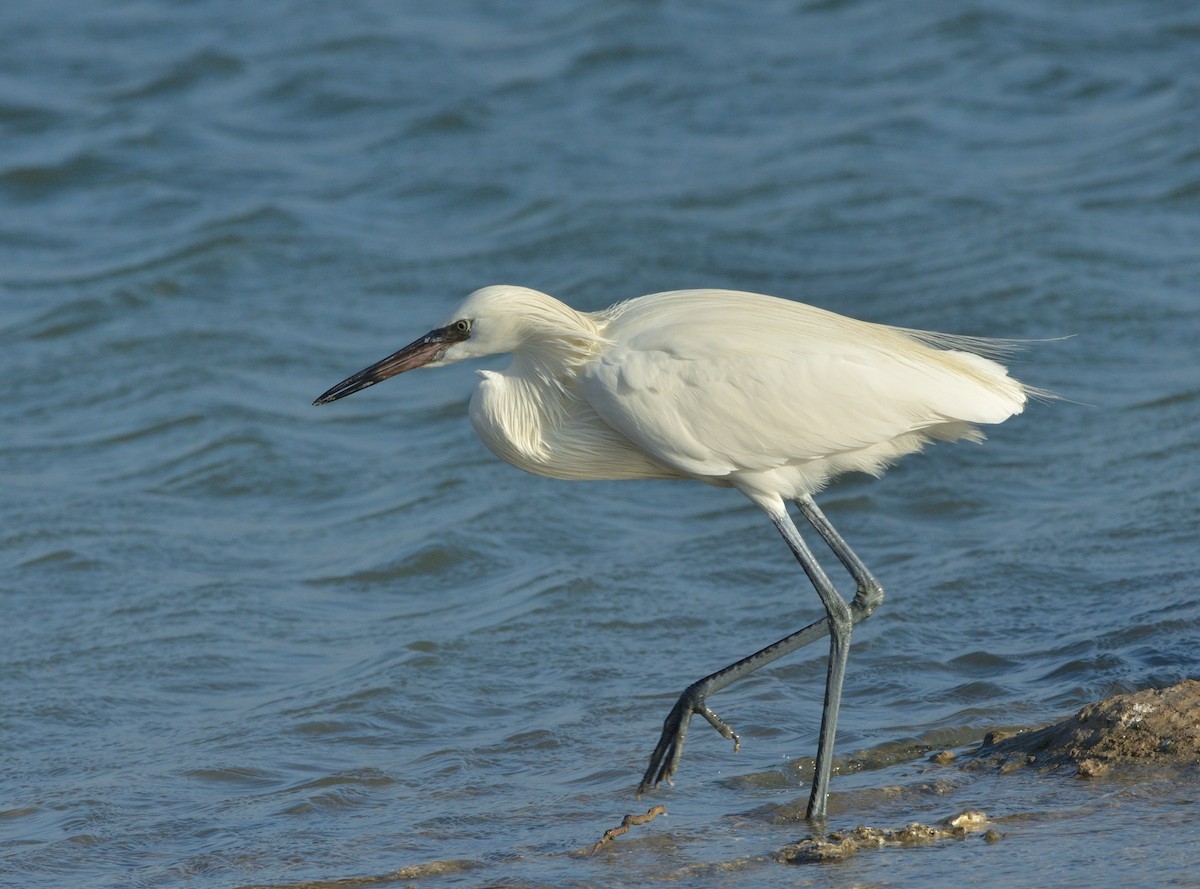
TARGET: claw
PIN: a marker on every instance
(664, 761)
(665, 758)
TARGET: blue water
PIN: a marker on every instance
(248, 642)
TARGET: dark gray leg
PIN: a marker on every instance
(837, 623)
(869, 594)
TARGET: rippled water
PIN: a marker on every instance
(249, 642)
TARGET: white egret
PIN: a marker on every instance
(765, 395)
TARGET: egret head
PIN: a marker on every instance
(492, 321)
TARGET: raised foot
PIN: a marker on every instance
(665, 759)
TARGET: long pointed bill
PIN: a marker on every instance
(427, 349)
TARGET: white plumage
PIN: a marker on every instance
(729, 388)
(766, 395)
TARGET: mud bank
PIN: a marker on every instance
(1159, 727)
(1148, 734)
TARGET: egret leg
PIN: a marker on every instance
(869, 593)
(837, 624)
(867, 597)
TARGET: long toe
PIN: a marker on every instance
(665, 758)
(721, 726)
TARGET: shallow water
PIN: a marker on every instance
(250, 642)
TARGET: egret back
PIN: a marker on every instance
(718, 383)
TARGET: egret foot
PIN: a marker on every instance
(665, 759)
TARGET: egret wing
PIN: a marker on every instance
(714, 382)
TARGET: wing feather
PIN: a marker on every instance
(716, 382)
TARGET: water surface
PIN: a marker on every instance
(250, 642)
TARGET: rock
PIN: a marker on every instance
(840, 846)
(1157, 726)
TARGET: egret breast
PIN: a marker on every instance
(548, 430)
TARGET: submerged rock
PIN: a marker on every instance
(841, 845)
(1157, 727)
(1160, 726)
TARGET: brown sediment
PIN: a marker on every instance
(1155, 726)
(841, 845)
(404, 874)
(613, 832)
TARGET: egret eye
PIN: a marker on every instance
(463, 325)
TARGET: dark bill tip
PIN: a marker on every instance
(428, 348)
